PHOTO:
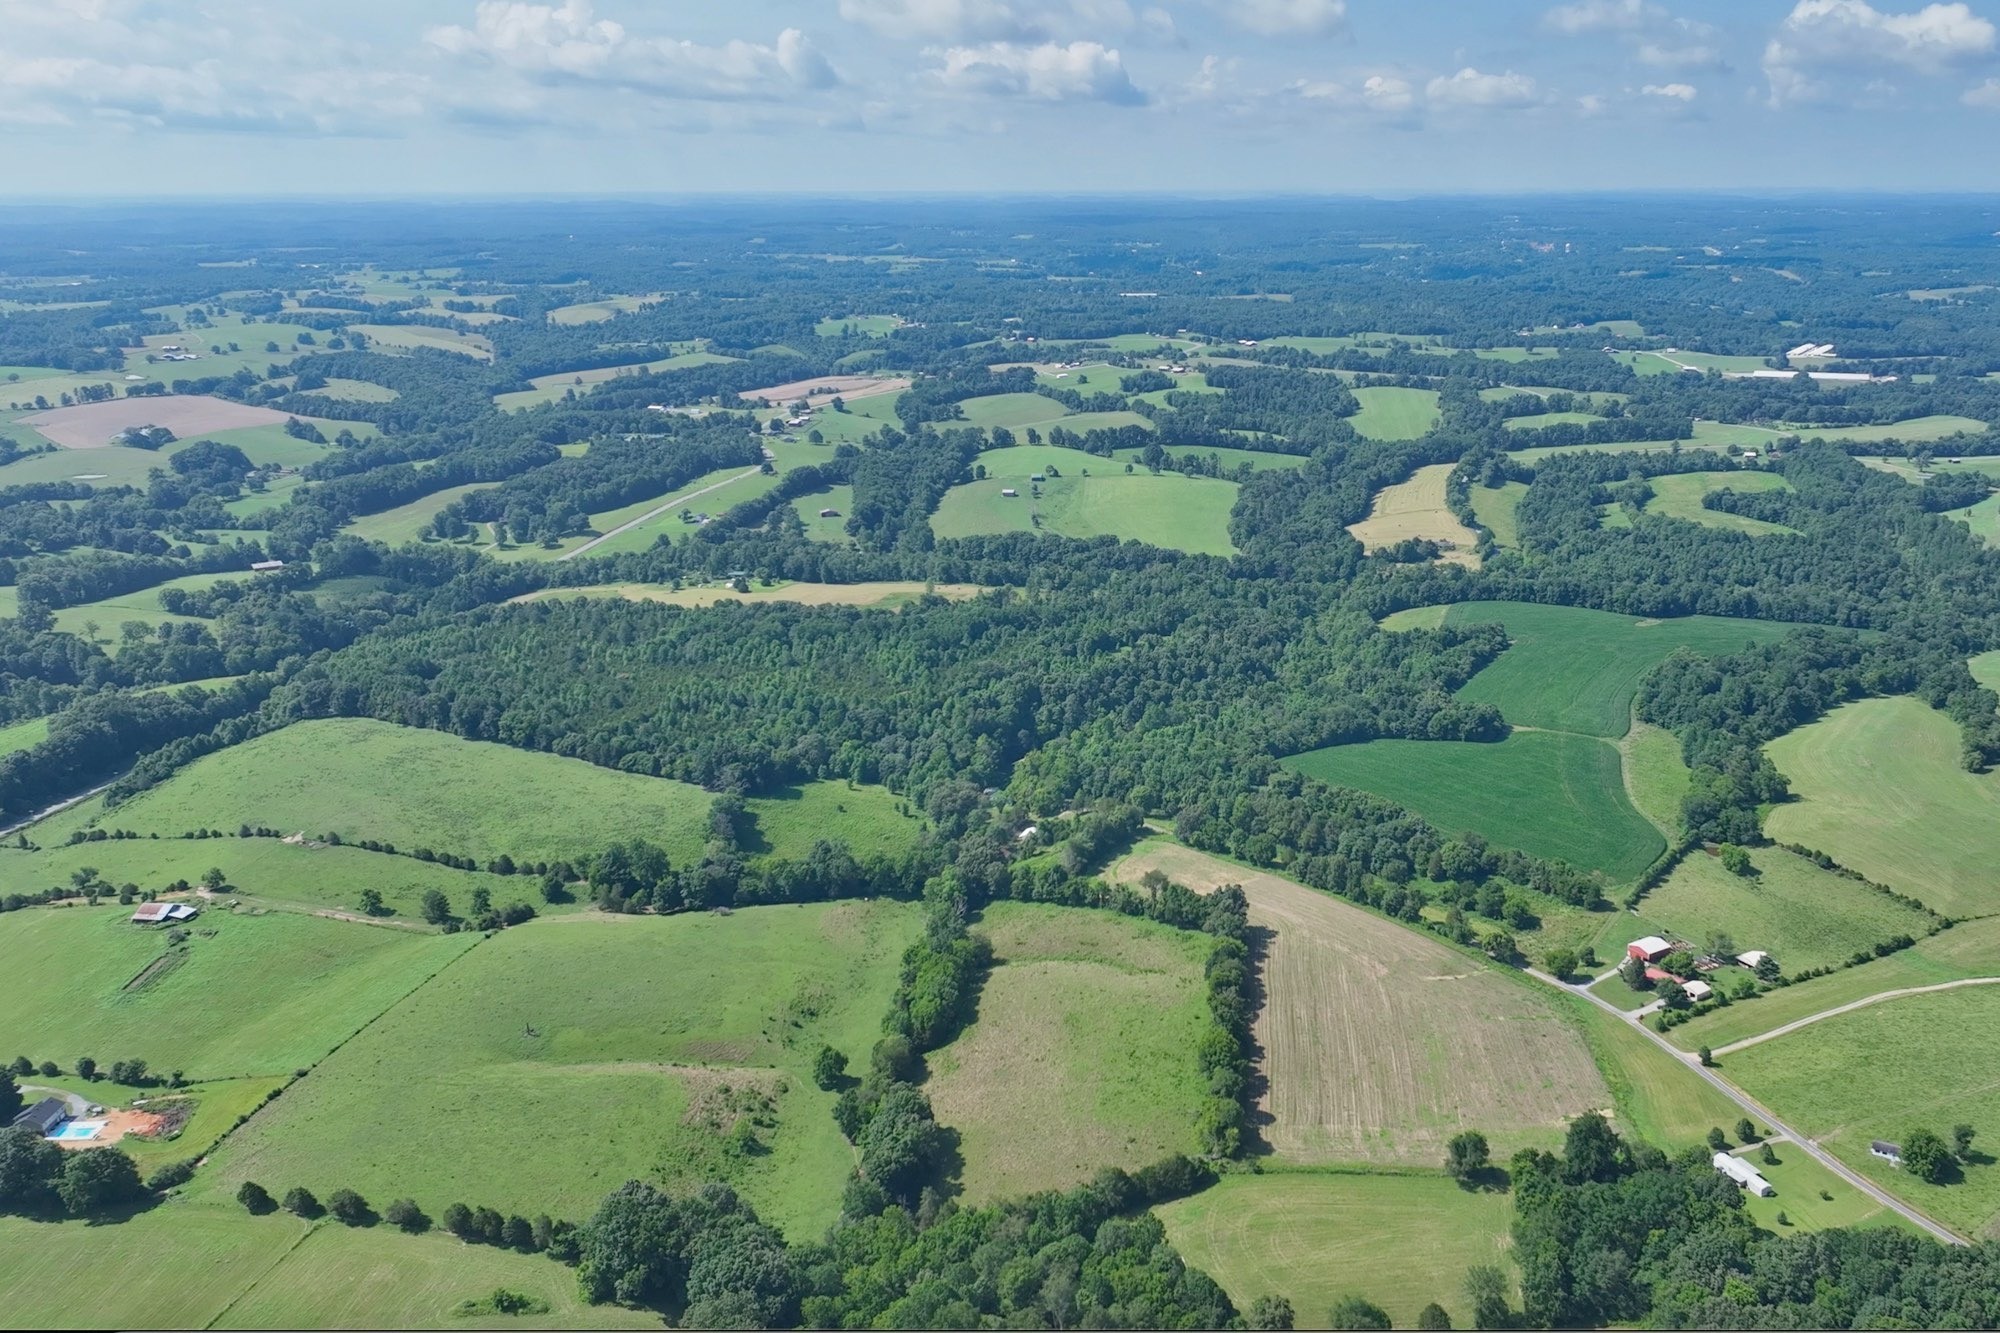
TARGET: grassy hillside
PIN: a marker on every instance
(559, 1059)
(1171, 510)
(1082, 1052)
(245, 995)
(1880, 787)
(1546, 793)
(417, 788)
(1395, 414)
(1680, 496)
(1571, 669)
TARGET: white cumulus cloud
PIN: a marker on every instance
(1821, 38)
(1287, 18)
(1049, 72)
(570, 44)
(1602, 16)
(1673, 92)
(1470, 88)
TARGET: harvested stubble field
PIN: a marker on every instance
(1880, 787)
(1081, 1053)
(1379, 1043)
(1416, 509)
(93, 425)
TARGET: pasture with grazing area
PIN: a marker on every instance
(561, 1058)
(597, 312)
(1497, 509)
(1804, 916)
(1312, 1237)
(1080, 1054)
(1922, 1061)
(1572, 669)
(1395, 414)
(86, 981)
(1681, 497)
(1879, 786)
(1416, 510)
(394, 338)
(1172, 510)
(1380, 1042)
(553, 388)
(1548, 794)
(417, 788)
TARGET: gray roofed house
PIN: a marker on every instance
(44, 1116)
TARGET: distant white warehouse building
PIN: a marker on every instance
(1744, 1174)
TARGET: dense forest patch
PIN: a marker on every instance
(1881, 787)
(645, 1043)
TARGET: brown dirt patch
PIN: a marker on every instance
(93, 425)
(1379, 1043)
(819, 392)
(117, 1124)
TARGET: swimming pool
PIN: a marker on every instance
(77, 1130)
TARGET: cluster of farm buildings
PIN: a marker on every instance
(1652, 949)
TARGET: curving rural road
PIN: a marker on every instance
(1759, 1112)
(1861, 1003)
(651, 514)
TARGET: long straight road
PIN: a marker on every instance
(1760, 1112)
(677, 502)
(1849, 1008)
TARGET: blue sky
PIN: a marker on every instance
(626, 97)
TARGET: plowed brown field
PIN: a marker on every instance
(1379, 1043)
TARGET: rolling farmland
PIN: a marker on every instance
(1416, 509)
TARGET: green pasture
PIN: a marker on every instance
(246, 996)
(1184, 513)
(1572, 669)
(1542, 419)
(837, 498)
(1657, 1097)
(1920, 1061)
(1918, 430)
(1985, 669)
(1497, 509)
(261, 872)
(1081, 1052)
(1970, 949)
(1804, 916)
(1015, 411)
(1983, 519)
(408, 522)
(715, 493)
(1395, 414)
(1680, 496)
(870, 820)
(250, 336)
(864, 326)
(144, 606)
(1401, 1241)
(1880, 787)
(559, 1059)
(1655, 774)
(393, 338)
(1550, 794)
(415, 788)
(597, 312)
(48, 385)
(1801, 1181)
(22, 735)
(552, 388)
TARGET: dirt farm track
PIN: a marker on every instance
(93, 425)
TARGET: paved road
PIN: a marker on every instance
(676, 503)
(1862, 1003)
(1761, 1113)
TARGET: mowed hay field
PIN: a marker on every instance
(1416, 509)
(1171, 510)
(1379, 1042)
(1879, 787)
(289, 988)
(1395, 414)
(1497, 511)
(417, 788)
(92, 425)
(1546, 793)
(1081, 1054)
(1680, 497)
(1804, 916)
(559, 1059)
(1929, 1061)
(1399, 1241)
(1570, 669)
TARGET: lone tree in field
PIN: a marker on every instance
(256, 1198)
(829, 1068)
(1925, 1156)
(1270, 1312)
(1746, 1131)
(437, 907)
(1434, 1316)
(1961, 1141)
(372, 904)
(1352, 1312)
(1467, 1157)
(1561, 963)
